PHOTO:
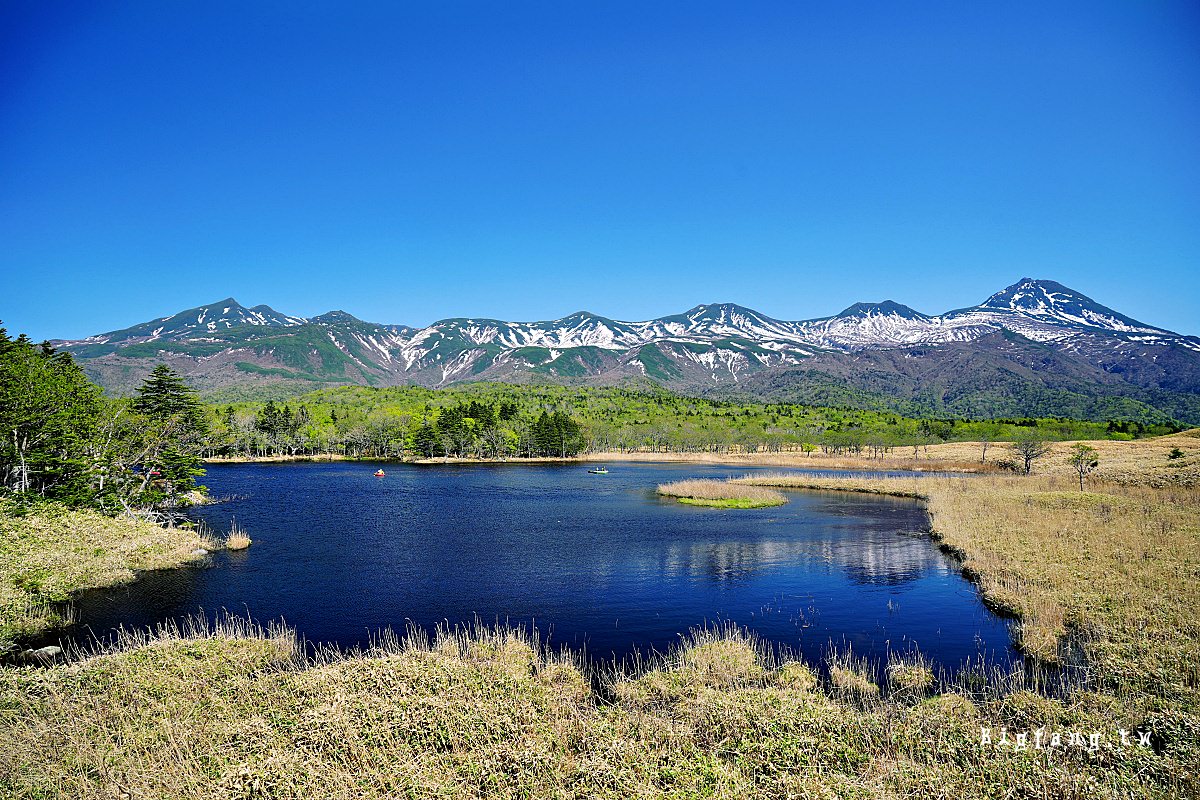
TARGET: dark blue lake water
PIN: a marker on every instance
(595, 561)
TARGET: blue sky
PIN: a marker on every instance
(413, 161)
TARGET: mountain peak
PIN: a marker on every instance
(1030, 293)
(336, 316)
(1050, 301)
(724, 313)
(717, 308)
(887, 308)
(581, 317)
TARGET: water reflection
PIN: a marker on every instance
(867, 543)
(597, 562)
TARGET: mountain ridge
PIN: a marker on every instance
(708, 348)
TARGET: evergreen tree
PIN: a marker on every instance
(425, 440)
(178, 425)
(166, 396)
(49, 412)
(543, 435)
(267, 419)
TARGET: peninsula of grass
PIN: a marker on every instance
(721, 494)
(48, 552)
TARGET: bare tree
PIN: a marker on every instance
(1030, 449)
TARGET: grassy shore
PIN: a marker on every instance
(1144, 461)
(48, 552)
(1107, 580)
(721, 494)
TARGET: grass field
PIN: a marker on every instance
(1106, 580)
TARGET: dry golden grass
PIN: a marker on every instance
(239, 712)
(852, 681)
(49, 553)
(906, 676)
(899, 460)
(1119, 565)
(721, 494)
(1140, 462)
(237, 539)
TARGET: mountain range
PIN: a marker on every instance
(1036, 348)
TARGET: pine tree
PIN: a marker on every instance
(166, 396)
(425, 440)
(268, 419)
(179, 424)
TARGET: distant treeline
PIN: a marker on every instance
(502, 420)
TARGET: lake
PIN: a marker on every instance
(596, 562)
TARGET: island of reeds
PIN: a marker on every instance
(721, 494)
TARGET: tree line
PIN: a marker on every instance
(500, 421)
(471, 429)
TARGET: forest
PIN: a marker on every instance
(64, 440)
(490, 420)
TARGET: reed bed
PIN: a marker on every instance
(721, 494)
(237, 539)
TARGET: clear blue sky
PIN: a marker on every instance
(413, 161)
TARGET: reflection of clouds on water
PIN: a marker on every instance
(729, 561)
(884, 561)
(876, 558)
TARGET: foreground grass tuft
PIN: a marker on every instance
(721, 494)
(237, 710)
(237, 539)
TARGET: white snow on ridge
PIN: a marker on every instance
(719, 339)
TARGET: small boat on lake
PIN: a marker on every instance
(379, 473)
(598, 471)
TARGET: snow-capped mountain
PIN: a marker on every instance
(709, 346)
(1054, 303)
(197, 322)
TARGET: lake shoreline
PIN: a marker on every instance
(782, 459)
(476, 692)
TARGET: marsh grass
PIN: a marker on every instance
(48, 552)
(229, 708)
(1105, 584)
(851, 678)
(1101, 562)
(721, 494)
(237, 539)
